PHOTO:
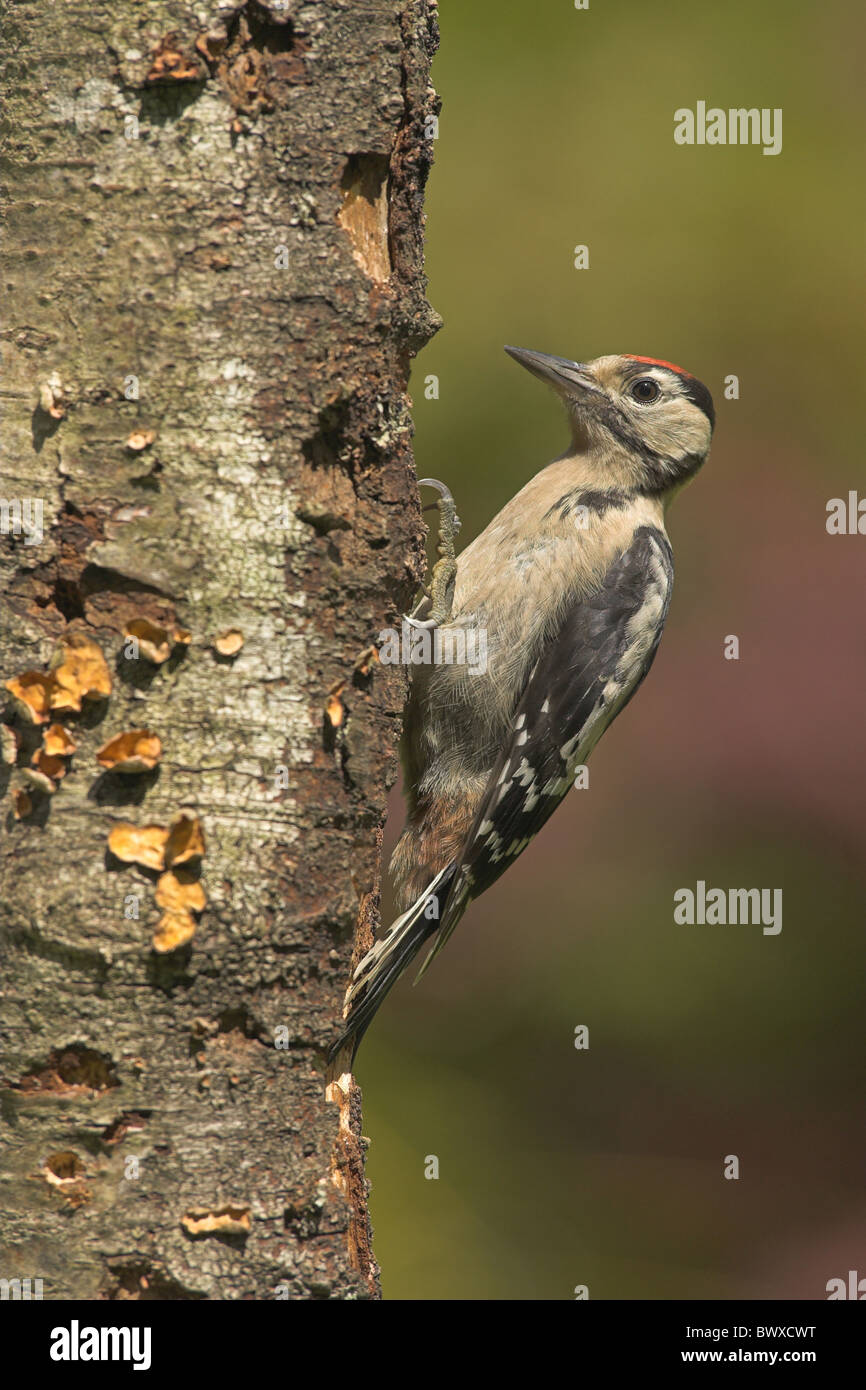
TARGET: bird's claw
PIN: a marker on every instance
(444, 576)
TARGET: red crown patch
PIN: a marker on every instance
(659, 362)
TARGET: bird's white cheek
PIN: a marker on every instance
(675, 438)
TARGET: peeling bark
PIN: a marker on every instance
(214, 290)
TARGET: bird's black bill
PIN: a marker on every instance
(561, 372)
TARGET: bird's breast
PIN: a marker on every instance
(515, 584)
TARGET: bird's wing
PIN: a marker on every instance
(587, 673)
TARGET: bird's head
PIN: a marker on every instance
(650, 421)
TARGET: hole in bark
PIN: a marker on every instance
(229, 1224)
(64, 1165)
(66, 597)
(75, 1068)
(126, 1123)
(364, 213)
(239, 1020)
(346, 438)
(256, 56)
(162, 104)
(267, 33)
(78, 588)
(142, 1283)
(303, 1219)
(322, 520)
(328, 447)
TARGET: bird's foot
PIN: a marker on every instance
(440, 594)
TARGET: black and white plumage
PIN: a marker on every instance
(571, 583)
(582, 680)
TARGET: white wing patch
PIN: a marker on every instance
(642, 631)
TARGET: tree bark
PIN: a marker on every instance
(213, 270)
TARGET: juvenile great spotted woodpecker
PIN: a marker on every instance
(571, 583)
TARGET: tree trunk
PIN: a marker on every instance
(214, 292)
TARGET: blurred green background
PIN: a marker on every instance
(604, 1167)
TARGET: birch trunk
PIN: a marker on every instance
(213, 291)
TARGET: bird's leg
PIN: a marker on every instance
(444, 576)
(440, 592)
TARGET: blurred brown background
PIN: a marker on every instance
(561, 1167)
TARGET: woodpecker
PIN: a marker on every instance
(571, 582)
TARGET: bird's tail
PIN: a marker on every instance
(383, 965)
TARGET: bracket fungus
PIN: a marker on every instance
(173, 929)
(45, 771)
(335, 710)
(180, 894)
(176, 855)
(78, 672)
(31, 695)
(136, 750)
(57, 742)
(40, 780)
(140, 439)
(139, 844)
(229, 643)
(185, 841)
(179, 890)
(48, 766)
(156, 643)
(51, 398)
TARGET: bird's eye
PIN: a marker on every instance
(646, 390)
